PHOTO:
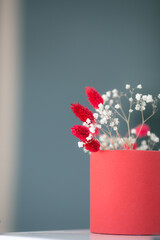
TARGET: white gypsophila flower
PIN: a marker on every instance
(88, 121)
(92, 125)
(111, 124)
(111, 102)
(89, 137)
(100, 106)
(137, 107)
(143, 108)
(138, 96)
(154, 138)
(104, 112)
(111, 146)
(85, 124)
(107, 107)
(143, 103)
(131, 99)
(85, 150)
(102, 137)
(108, 93)
(114, 91)
(109, 113)
(107, 118)
(133, 131)
(144, 97)
(80, 144)
(144, 142)
(115, 145)
(128, 86)
(99, 126)
(117, 106)
(115, 128)
(104, 144)
(149, 98)
(129, 140)
(148, 133)
(159, 95)
(130, 110)
(102, 121)
(95, 115)
(92, 130)
(105, 98)
(139, 86)
(116, 121)
(115, 95)
(143, 146)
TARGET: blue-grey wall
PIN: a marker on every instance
(69, 44)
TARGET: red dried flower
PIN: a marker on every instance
(80, 132)
(134, 147)
(93, 97)
(92, 146)
(143, 131)
(81, 112)
(97, 132)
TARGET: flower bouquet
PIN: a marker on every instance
(124, 170)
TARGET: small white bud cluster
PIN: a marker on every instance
(144, 146)
(129, 140)
(106, 114)
(139, 86)
(80, 144)
(117, 106)
(115, 93)
(107, 97)
(150, 142)
(153, 137)
(128, 86)
(133, 131)
(142, 100)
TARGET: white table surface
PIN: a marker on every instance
(71, 235)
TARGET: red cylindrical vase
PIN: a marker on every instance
(125, 192)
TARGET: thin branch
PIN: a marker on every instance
(139, 129)
(149, 117)
(122, 140)
(118, 113)
(122, 110)
(108, 138)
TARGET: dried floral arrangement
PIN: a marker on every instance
(100, 130)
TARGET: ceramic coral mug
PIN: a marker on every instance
(125, 192)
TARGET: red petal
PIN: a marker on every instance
(143, 131)
(81, 112)
(93, 97)
(92, 146)
(80, 132)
